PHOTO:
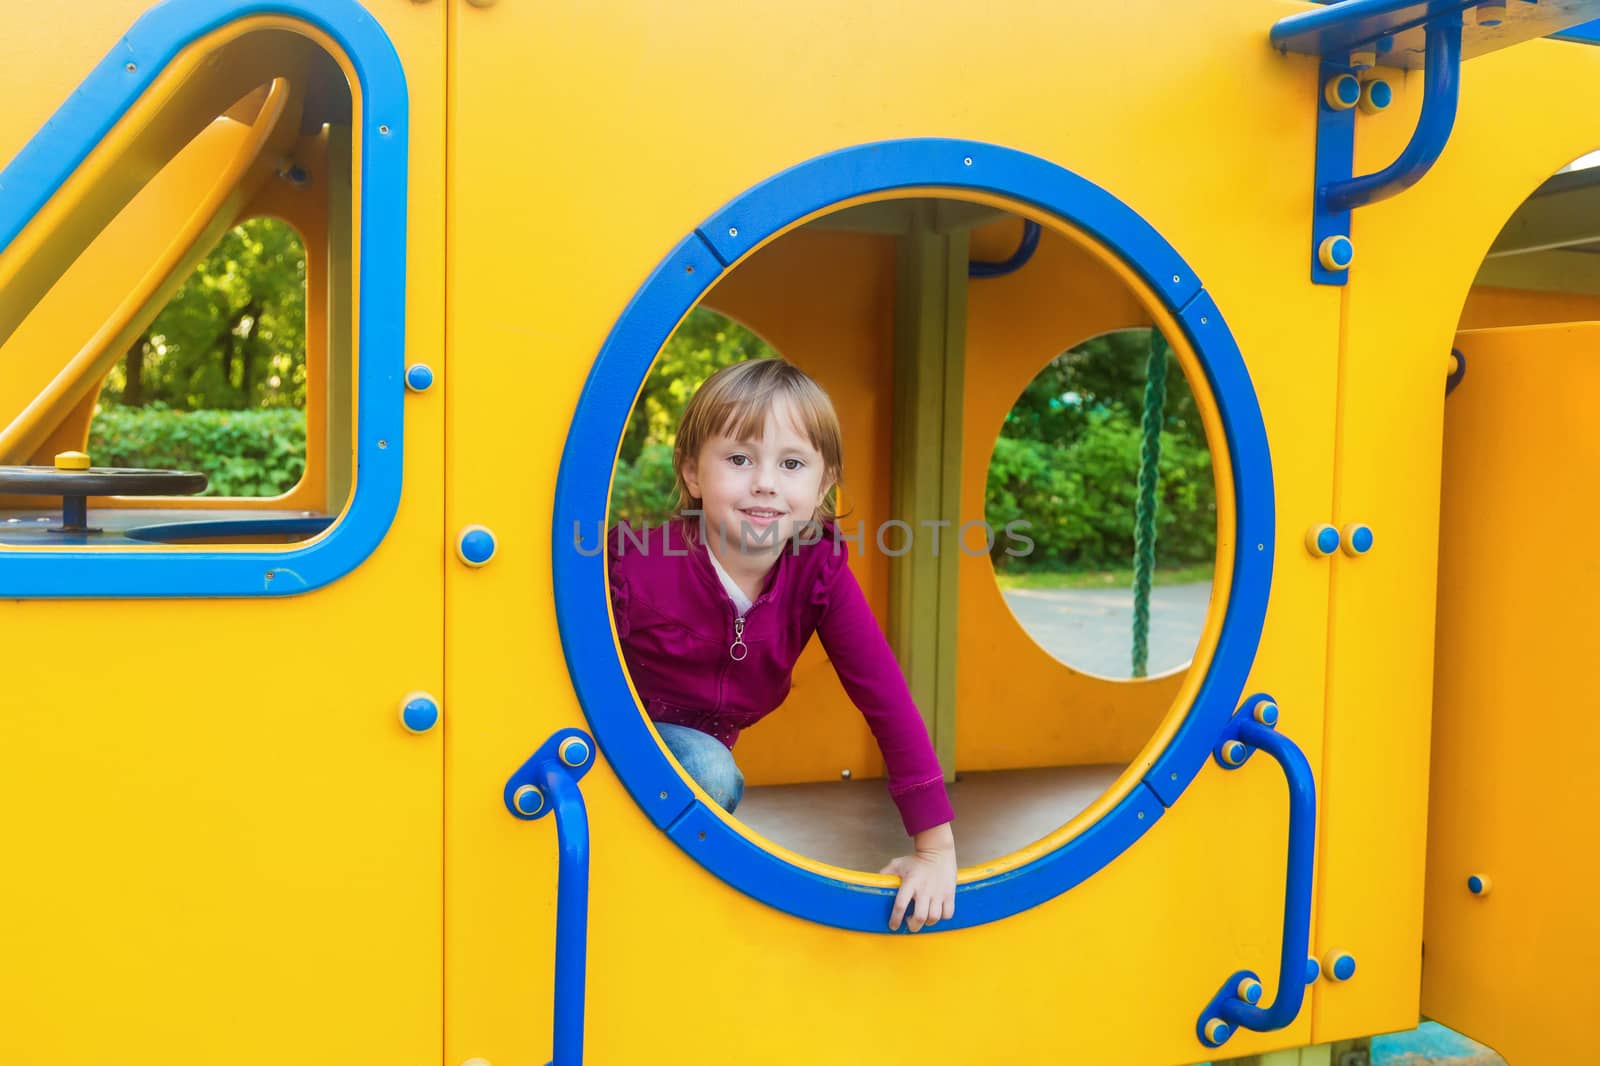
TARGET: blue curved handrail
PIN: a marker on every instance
(1228, 1005)
(1029, 244)
(1441, 90)
(557, 781)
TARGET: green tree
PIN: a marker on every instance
(703, 343)
(233, 336)
(1105, 373)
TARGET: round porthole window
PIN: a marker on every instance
(1161, 288)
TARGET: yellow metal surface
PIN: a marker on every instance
(225, 846)
(1176, 904)
(1515, 736)
(1418, 254)
(233, 835)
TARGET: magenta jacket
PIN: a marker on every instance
(676, 623)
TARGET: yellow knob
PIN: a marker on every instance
(72, 460)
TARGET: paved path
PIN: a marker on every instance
(1092, 629)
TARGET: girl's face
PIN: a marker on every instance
(756, 492)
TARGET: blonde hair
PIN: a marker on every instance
(738, 399)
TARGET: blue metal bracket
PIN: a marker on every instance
(1234, 1005)
(549, 782)
(1357, 35)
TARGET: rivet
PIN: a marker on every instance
(1176, 279)
(663, 795)
(733, 231)
(1342, 92)
(1322, 540)
(384, 130)
(419, 712)
(1141, 816)
(1249, 990)
(689, 269)
(702, 834)
(574, 751)
(967, 162)
(1376, 96)
(1336, 252)
(1356, 540)
(475, 545)
(1204, 320)
(1479, 884)
(419, 377)
(1339, 965)
(528, 800)
(844, 775)
(383, 444)
(133, 68)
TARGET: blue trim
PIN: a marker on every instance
(166, 532)
(1031, 231)
(1296, 940)
(1441, 90)
(583, 487)
(1395, 29)
(559, 782)
(1587, 33)
(57, 150)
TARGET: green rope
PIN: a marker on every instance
(1144, 525)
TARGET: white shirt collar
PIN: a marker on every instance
(740, 600)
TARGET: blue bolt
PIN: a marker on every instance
(419, 377)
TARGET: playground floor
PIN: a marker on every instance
(854, 824)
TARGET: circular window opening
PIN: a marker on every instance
(819, 732)
(870, 286)
(1104, 456)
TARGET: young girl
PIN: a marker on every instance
(714, 607)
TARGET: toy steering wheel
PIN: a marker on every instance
(74, 480)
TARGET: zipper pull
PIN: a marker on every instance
(738, 649)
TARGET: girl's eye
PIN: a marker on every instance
(794, 464)
(738, 460)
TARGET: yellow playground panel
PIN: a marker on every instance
(1336, 816)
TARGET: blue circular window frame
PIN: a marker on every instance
(583, 488)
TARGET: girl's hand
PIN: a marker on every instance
(928, 877)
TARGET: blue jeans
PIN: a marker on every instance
(706, 761)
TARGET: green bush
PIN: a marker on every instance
(245, 453)
(645, 492)
(1079, 498)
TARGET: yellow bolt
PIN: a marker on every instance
(72, 460)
